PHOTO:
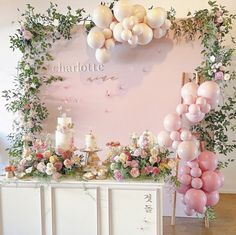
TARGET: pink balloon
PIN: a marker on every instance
(186, 135)
(206, 108)
(196, 172)
(207, 161)
(222, 178)
(175, 144)
(188, 211)
(185, 179)
(189, 100)
(196, 183)
(182, 189)
(212, 198)
(196, 199)
(211, 181)
(175, 135)
(172, 122)
(209, 90)
(181, 109)
(187, 150)
(183, 169)
(195, 118)
(214, 102)
(193, 164)
(194, 109)
(182, 199)
(188, 89)
(201, 101)
(163, 139)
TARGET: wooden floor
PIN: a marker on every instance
(225, 224)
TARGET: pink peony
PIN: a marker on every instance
(27, 35)
(58, 165)
(156, 170)
(134, 172)
(134, 163)
(219, 75)
(118, 176)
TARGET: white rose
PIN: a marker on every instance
(49, 171)
(29, 170)
(212, 59)
(50, 166)
(226, 77)
(29, 158)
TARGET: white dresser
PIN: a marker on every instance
(81, 208)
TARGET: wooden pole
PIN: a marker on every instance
(177, 166)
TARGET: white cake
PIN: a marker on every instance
(64, 133)
(90, 142)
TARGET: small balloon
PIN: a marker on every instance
(95, 39)
(122, 9)
(146, 36)
(181, 109)
(196, 183)
(107, 33)
(158, 33)
(103, 55)
(137, 29)
(205, 108)
(183, 169)
(186, 135)
(126, 35)
(187, 150)
(195, 118)
(110, 43)
(182, 189)
(133, 41)
(175, 144)
(193, 164)
(196, 172)
(118, 29)
(139, 11)
(112, 25)
(185, 179)
(175, 135)
(194, 109)
(188, 211)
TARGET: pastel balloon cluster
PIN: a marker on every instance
(198, 100)
(200, 181)
(131, 24)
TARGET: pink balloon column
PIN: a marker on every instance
(200, 182)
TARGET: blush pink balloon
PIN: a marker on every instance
(186, 135)
(175, 135)
(195, 118)
(205, 108)
(182, 189)
(175, 144)
(187, 150)
(209, 90)
(163, 139)
(207, 161)
(183, 169)
(194, 109)
(172, 122)
(196, 183)
(212, 198)
(214, 102)
(189, 100)
(185, 179)
(201, 101)
(181, 109)
(190, 88)
(196, 172)
(196, 199)
(222, 177)
(182, 199)
(188, 211)
(193, 164)
(211, 181)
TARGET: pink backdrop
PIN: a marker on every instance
(147, 87)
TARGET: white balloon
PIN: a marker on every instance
(195, 118)
(134, 19)
(133, 41)
(167, 24)
(156, 17)
(175, 144)
(137, 29)
(122, 9)
(95, 39)
(139, 11)
(102, 16)
(107, 33)
(128, 23)
(103, 55)
(163, 139)
(186, 135)
(110, 43)
(126, 35)
(158, 33)
(112, 25)
(117, 32)
(189, 89)
(147, 35)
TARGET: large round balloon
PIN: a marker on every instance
(187, 150)
(212, 198)
(95, 39)
(195, 118)
(196, 199)
(207, 161)
(189, 89)
(211, 181)
(117, 31)
(186, 135)
(209, 90)
(103, 55)
(185, 179)
(163, 139)
(156, 17)
(172, 122)
(139, 11)
(102, 16)
(122, 9)
(146, 36)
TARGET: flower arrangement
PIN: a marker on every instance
(43, 161)
(141, 159)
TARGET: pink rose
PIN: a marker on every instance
(148, 169)
(27, 35)
(156, 170)
(219, 75)
(58, 165)
(117, 175)
(143, 154)
(134, 172)
(68, 163)
(134, 163)
(219, 13)
(137, 152)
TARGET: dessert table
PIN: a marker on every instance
(76, 207)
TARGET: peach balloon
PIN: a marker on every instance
(95, 39)
(110, 43)
(126, 35)
(189, 100)
(118, 29)
(201, 101)
(207, 161)
(163, 139)
(189, 89)
(133, 41)
(172, 122)
(102, 16)
(137, 29)
(103, 55)
(107, 33)
(186, 135)
(156, 17)
(139, 11)
(187, 150)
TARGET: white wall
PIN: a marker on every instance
(8, 59)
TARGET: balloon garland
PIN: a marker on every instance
(130, 24)
(198, 175)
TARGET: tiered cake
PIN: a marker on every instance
(64, 133)
(90, 142)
